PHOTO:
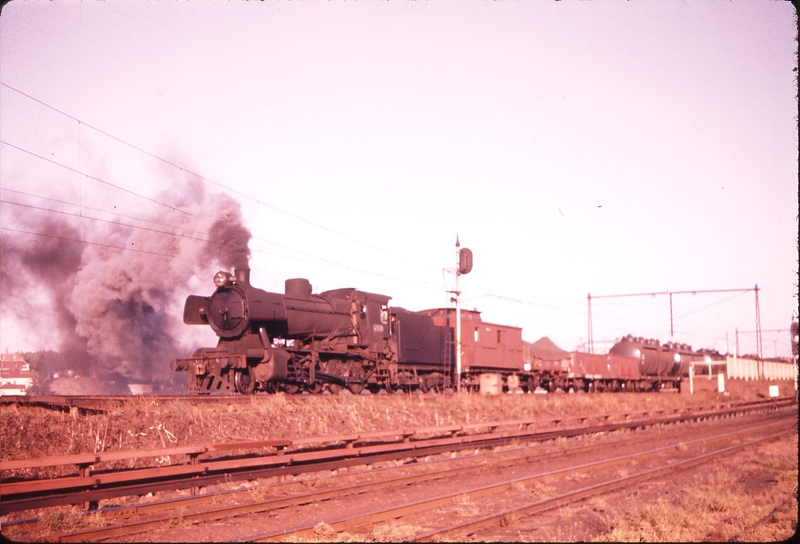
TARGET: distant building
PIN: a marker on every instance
(16, 377)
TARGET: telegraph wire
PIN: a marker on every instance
(84, 241)
(118, 223)
(737, 295)
(95, 210)
(50, 210)
(95, 178)
(235, 191)
(327, 262)
(316, 259)
(220, 185)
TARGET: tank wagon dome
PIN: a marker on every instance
(628, 346)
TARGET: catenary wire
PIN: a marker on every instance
(84, 207)
(95, 178)
(235, 191)
(124, 142)
(82, 123)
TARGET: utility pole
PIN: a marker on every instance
(759, 347)
(458, 317)
(590, 340)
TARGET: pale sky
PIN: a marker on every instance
(574, 147)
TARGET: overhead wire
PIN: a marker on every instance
(317, 260)
(95, 178)
(204, 178)
(208, 180)
(98, 210)
(83, 241)
(736, 295)
(246, 196)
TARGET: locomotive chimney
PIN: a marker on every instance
(242, 275)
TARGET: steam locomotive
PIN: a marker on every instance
(346, 338)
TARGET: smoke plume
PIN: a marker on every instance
(110, 294)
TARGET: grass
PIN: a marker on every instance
(723, 502)
(149, 422)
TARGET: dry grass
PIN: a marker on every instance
(464, 506)
(65, 519)
(394, 531)
(147, 422)
(150, 422)
(724, 501)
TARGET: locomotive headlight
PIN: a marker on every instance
(676, 357)
(220, 278)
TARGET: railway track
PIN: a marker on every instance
(102, 403)
(479, 460)
(331, 453)
(440, 473)
(196, 466)
(469, 527)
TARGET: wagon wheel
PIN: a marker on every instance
(244, 382)
(335, 388)
(290, 388)
(314, 388)
(355, 370)
(430, 384)
(336, 368)
(423, 384)
(525, 384)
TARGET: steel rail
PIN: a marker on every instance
(570, 497)
(273, 504)
(102, 403)
(354, 438)
(91, 486)
(394, 512)
(526, 456)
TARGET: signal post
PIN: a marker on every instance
(464, 266)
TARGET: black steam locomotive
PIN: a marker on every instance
(288, 342)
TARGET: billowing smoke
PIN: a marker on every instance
(230, 237)
(119, 311)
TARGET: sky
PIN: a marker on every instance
(576, 148)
